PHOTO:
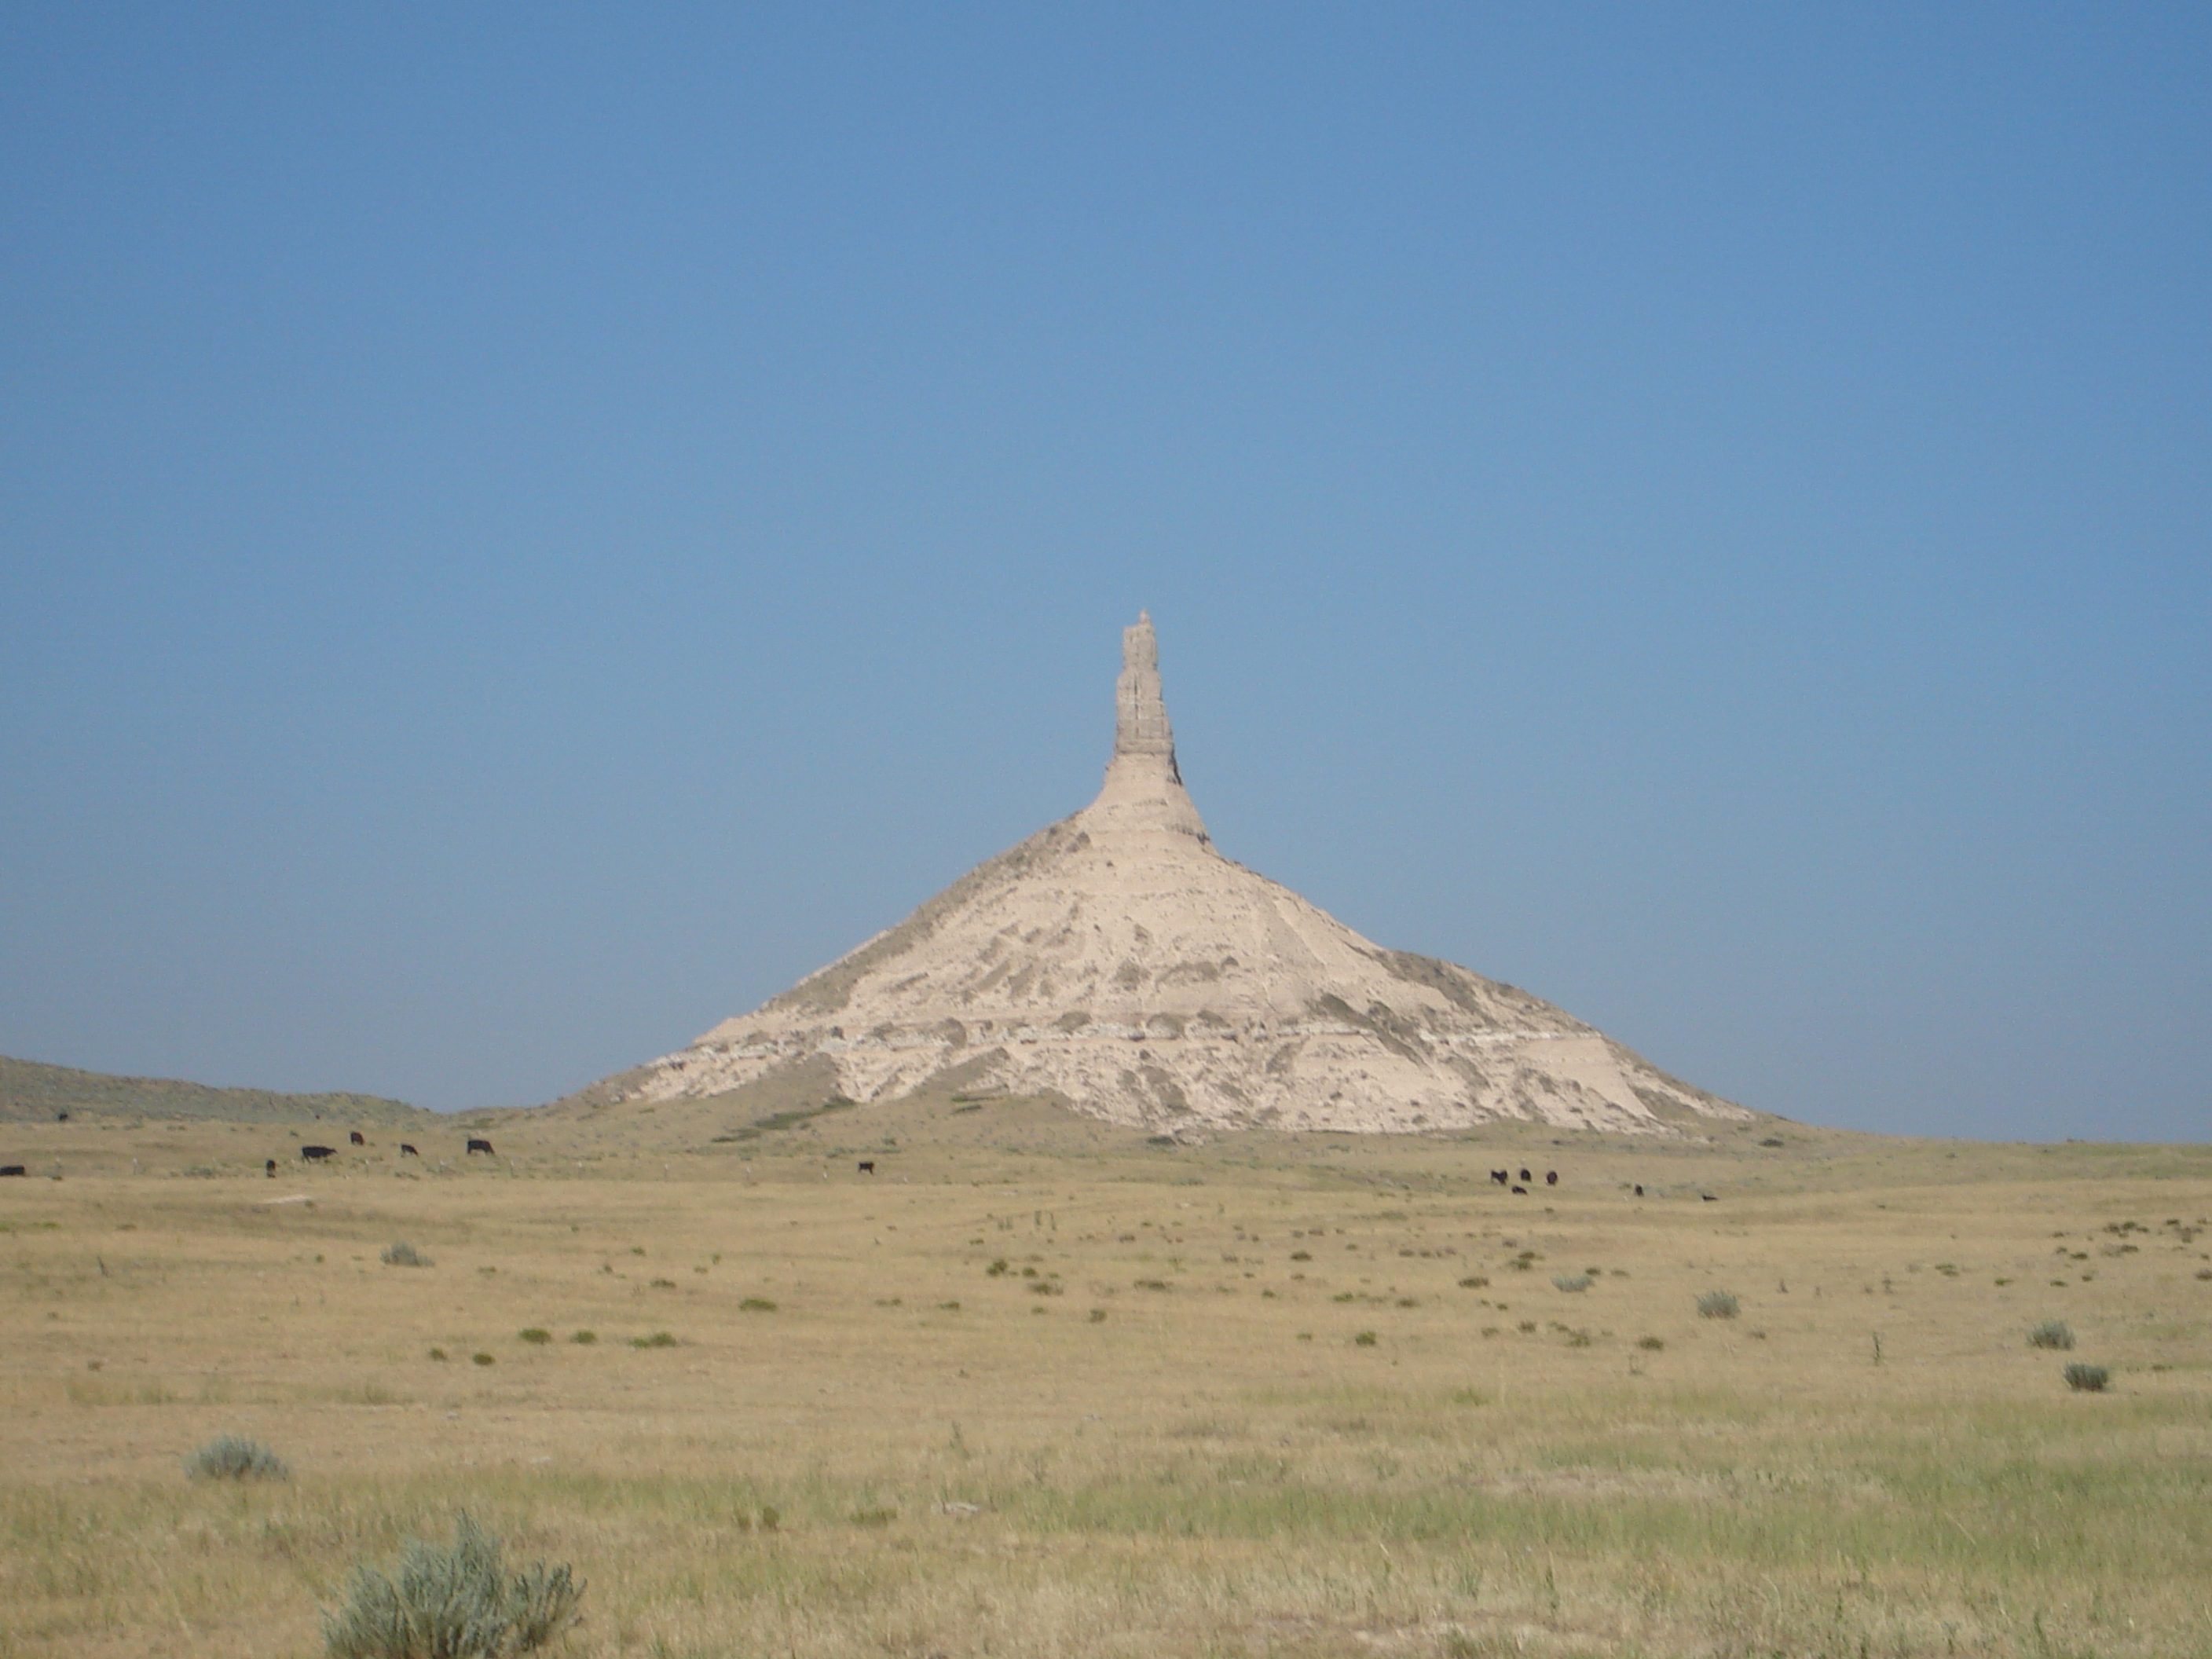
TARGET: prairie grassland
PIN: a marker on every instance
(1037, 1388)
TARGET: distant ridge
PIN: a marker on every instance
(31, 1091)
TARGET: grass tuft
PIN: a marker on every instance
(2086, 1379)
(1718, 1305)
(1571, 1281)
(233, 1457)
(2052, 1334)
(403, 1255)
(536, 1336)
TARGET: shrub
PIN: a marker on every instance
(1717, 1305)
(403, 1255)
(657, 1339)
(233, 1457)
(2087, 1379)
(1098, 1315)
(1653, 1343)
(482, 1359)
(1477, 1283)
(757, 1305)
(662, 1285)
(451, 1603)
(585, 1338)
(1301, 1256)
(437, 1354)
(1571, 1281)
(2052, 1334)
(535, 1335)
(1365, 1340)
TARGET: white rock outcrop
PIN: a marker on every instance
(1117, 961)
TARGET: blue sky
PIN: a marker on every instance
(524, 530)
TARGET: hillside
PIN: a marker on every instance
(36, 1092)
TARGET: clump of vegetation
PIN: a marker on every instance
(437, 1354)
(1365, 1340)
(661, 1284)
(1301, 1256)
(1718, 1305)
(451, 1603)
(482, 1359)
(536, 1336)
(1571, 1281)
(2052, 1334)
(755, 1305)
(584, 1339)
(2087, 1379)
(1475, 1283)
(233, 1457)
(998, 1269)
(403, 1255)
(657, 1339)
(1098, 1315)
(1655, 1344)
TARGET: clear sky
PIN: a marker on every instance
(524, 529)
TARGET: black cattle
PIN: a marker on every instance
(405, 1151)
(1708, 1198)
(317, 1154)
(867, 1166)
(477, 1145)
(61, 1117)
(1525, 1176)
(1551, 1177)
(11, 1168)
(1522, 1191)
(358, 1139)
(272, 1169)
(1501, 1176)
(1639, 1190)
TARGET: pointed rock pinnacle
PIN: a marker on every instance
(1140, 713)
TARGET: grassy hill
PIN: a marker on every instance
(36, 1092)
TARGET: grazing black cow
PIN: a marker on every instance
(61, 1117)
(1525, 1176)
(477, 1144)
(11, 1168)
(1639, 1190)
(405, 1151)
(867, 1166)
(1708, 1198)
(317, 1154)
(359, 1139)
(1522, 1191)
(1551, 1177)
(1502, 1177)
(272, 1169)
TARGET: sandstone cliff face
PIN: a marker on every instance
(1115, 959)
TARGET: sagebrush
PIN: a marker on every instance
(451, 1602)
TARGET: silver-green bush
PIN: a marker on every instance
(1571, 1281)
(233, 1457)
(2052, 1334)
(451, 1603)
(2087, 1379)
(1717, 1305)
(404, 1254)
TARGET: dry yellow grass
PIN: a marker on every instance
(1157, 1430)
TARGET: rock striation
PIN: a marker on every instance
(1116, 960)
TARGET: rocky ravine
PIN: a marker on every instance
(1116, 960)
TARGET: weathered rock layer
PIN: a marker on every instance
(1116, 960)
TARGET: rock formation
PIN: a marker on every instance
(1116, 960)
